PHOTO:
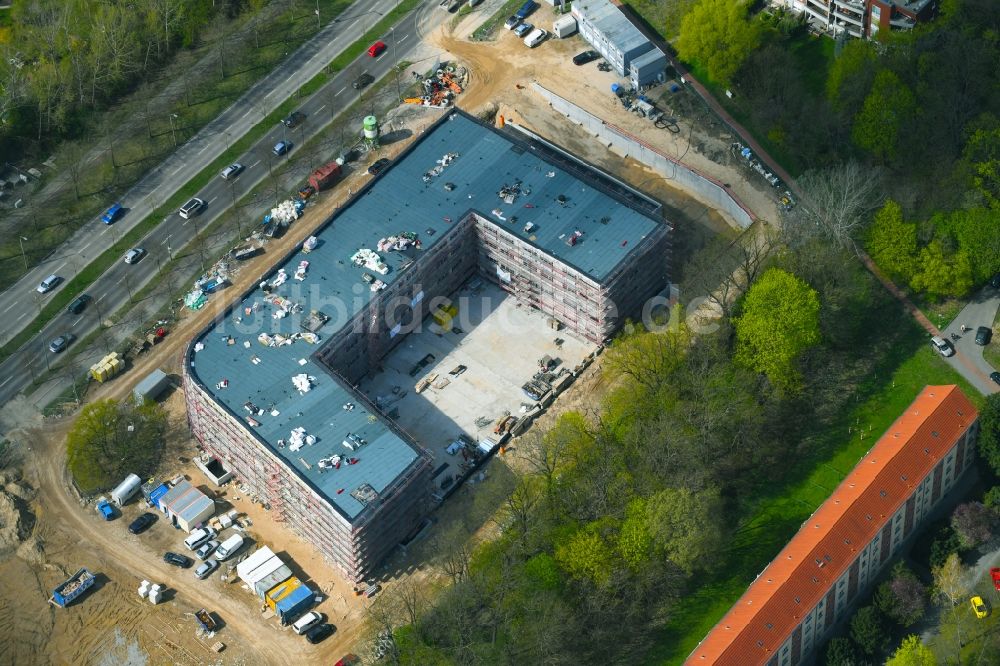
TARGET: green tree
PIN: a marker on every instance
(989, 431)
(977, 233)
(688, 527)
(982, 153)
(869, 632)
(903, 597)
(887, 112)
(586, 556)
(840, 651)
(892, 243)
(939, 274)
(719, 35)
(780, 320)
(111, 440)
(542, 571)
(912, 653)
(634, 538)
(850, 76)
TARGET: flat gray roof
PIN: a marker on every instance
(612, 23)
(240, 372)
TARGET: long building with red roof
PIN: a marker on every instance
(793, 604)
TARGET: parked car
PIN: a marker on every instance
(232, 171)
(293, 119)
(229, 547)
(134, 255)
(319, 633)
(535, 37)
(978, 607)
(942, 346)
(191, 208)
(378, 166)
(199, 537)
(142, 523)
(523, 29)
(511, 22)
(48, 284)
(282, 147)
(206, 549)
(78, 304)
(112, 214)
(177, 560)
(375, 49)
(60, 343)
(983, 335)
(205, 568)
(307, 622)
(349, 660)
(585, 57)
(995, 376)
(363, 80)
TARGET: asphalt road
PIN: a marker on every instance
(19, 304)
(969, 361)
(112, 290)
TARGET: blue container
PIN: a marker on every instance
(294, 604)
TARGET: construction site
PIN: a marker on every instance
(286, 388)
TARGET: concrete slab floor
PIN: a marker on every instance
(500, 344)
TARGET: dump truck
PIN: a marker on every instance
(205, 620)
(67, 592)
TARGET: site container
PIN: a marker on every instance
(254, 560)
(280, 591)
(293, 604)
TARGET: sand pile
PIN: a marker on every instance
(16, 519)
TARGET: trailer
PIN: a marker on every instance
(126, 489)
(564, 27)
(72, 588)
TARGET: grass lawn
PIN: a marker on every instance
(991, 352)
(779, 511)
(940, 314)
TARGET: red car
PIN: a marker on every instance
(376, 48)
(995, 575)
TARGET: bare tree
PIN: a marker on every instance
(837, 204)
(726, 268)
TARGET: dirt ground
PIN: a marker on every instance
(111, 625)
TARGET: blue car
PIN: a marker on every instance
(112, 214)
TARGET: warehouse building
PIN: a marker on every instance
(270, 384)
(622, 44)
(795, 603)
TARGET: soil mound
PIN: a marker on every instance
(16, 519)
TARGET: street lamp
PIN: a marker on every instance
(20, 240)
(173, 133)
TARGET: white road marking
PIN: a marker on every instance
(211, 200)
(184, 223)
(254, 164)
(203, 149)
(22, 316)
(177, 169)
(402, 39)
(10, 306)
(74, 323)
(341, 90)
(320, 108)
(166, 241)
(61, 266)
(5, 381)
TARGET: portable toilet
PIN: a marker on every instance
(126, 489)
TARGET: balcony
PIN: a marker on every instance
(902, 23)
(850, 18)
(822, 17)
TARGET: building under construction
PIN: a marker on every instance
(270, 384)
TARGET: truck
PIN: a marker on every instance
(105, 509)
(72, 587)
(205, 620)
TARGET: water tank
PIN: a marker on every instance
(371, 127)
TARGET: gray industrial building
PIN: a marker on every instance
(622, 44)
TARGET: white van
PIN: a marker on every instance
(199, 537)
(535, 37)
(228, 547)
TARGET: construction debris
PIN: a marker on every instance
(366, 258)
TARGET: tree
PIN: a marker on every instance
(892, 243)
(982, 153)
(950, 586)
(112, 439)
(992, 498)
(973, 523)
(887, 113)
(719, 35)
(989, 431)
(586, 556)
(869, 632)
(977, 233)
(836, 205)
(850, 76)
(724, 269)
(688, 527)
(635, 540)
(903, 597)
(780, 320)
(912, 653)
(939, 274)
(840, 651)
(649, 358)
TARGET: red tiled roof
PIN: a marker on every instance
(793, 583)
